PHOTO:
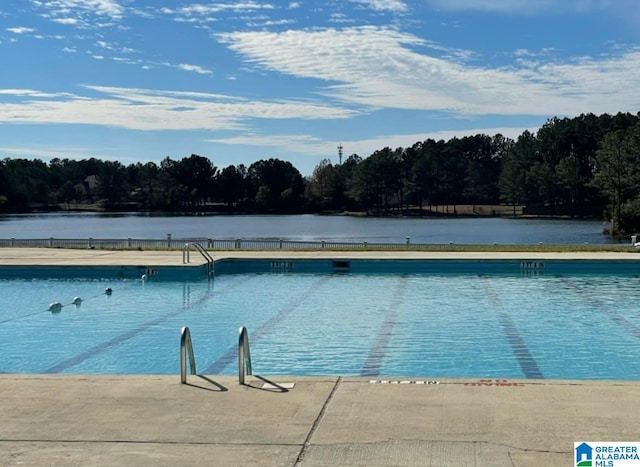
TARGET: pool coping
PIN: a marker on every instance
(171, 265)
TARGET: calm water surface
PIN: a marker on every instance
(306, 227)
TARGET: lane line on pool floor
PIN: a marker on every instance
(95, 350)
(527, 363)
(373, 362)
(616, 317)
(232, 353)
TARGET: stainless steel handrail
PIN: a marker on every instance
(186, 349)
(244, 355)
(186, 257)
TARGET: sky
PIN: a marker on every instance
(239, 81)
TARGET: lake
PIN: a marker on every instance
(505, 231)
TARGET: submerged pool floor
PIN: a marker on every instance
(374, 325)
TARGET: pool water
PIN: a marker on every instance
(374, 325)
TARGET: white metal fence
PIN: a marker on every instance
(176, 243)
(220, 244)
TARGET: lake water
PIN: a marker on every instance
(505, 231)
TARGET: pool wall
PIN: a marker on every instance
(105, 272)
(434, 266)
(331, 266)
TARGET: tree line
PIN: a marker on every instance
(582, 166)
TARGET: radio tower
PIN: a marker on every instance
(340, 153)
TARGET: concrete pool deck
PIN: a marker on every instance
(141, 420)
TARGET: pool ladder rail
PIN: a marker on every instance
(186, 257)
(186, 353)
(244, 355)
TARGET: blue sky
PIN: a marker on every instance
(240, 81)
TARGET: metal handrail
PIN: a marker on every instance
(186, 349)
(244, 355)
(203, 252)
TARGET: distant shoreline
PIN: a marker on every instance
(448, 211)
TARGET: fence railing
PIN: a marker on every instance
(217, 244)
(208, 243)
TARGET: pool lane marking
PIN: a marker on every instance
(373, 363)
(93, 351)
(595, 301)
(254, 335)
(519, 347)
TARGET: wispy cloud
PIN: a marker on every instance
(383, 5)
(194, 68)
(384, 68)
(198, 12)
(20, 30)
(81, 13)
(145, 109)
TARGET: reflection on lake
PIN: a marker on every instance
(506, 231)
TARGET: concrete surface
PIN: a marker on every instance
(212, 420)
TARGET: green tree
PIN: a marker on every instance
(231, 184)
(513, 177)
(617, 171)
(277, 176)
(111, 186)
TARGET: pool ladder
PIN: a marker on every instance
(186, 353)
(186, 259)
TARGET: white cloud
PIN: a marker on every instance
(195, 68)
(201, 12)
(385, 68)
(20, 30)
(383, 5)
(110, 8)
(301, 144)
(145, 109)
(33, 93)
(81, 13)
(67, 21)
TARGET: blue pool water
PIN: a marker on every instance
(511, 325)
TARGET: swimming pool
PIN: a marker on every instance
(528, 323)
